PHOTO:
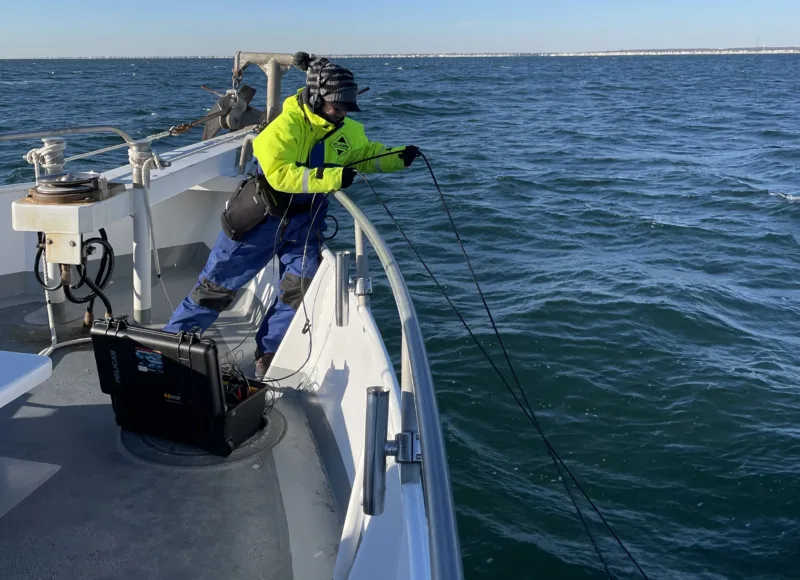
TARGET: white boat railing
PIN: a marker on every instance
(419, 411)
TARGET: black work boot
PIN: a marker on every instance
(262, 364)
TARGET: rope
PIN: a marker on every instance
(49, 304)
(35, 155)
(156, 261)
(54, 344)
(139, 157)
(43, 157)
(49, 350)
(149, 139)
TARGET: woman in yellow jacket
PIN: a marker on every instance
(310, 149)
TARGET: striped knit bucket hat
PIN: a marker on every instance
(328, 82)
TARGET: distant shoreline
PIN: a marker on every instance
(684, 51)
(632, 52)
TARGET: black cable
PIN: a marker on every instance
(373, 157)
(103, 275)
(101, 280)
(513, 371)
(278, 233)
(99, 292)
(525, 411)
(336, 231)
(83, 271)
(307, 327)
(529, 413)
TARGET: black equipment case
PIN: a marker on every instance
(170, 386)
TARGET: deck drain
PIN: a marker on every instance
(167, 452)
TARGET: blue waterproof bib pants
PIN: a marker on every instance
(231, 265)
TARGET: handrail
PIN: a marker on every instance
(443, 538)
(67, 131)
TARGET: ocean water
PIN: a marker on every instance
(634, 224)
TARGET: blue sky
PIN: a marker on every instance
(209, 27)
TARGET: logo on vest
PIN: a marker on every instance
(341, 145)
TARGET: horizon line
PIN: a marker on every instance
(636, 51)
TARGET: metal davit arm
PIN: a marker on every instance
(419, 405)
(273, 65)
(243, 59)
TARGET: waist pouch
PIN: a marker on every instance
(252, 202)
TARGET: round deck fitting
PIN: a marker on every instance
(68, 187)
(165, 452)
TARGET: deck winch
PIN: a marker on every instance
(70, 187)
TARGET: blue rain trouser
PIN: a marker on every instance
(232, 264)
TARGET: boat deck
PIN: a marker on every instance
(81, 499)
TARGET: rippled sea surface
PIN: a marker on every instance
(634, 224)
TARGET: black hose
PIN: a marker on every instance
(82, 277)
(82, 272)
(102, 276)
(99, 293)
(101, 280)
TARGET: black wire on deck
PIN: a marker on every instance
(307, 325)
(527, 409)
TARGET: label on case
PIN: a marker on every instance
(149, 361)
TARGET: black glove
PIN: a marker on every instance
(408, 154)
(348, 175)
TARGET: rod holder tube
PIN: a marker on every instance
(342, 302)
(375, 447)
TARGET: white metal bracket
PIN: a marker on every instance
(361, 286)
(63, 248)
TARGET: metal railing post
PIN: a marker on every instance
(274, 74)
(140, 153)
(246, 153)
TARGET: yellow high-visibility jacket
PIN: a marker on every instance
(295, 159)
